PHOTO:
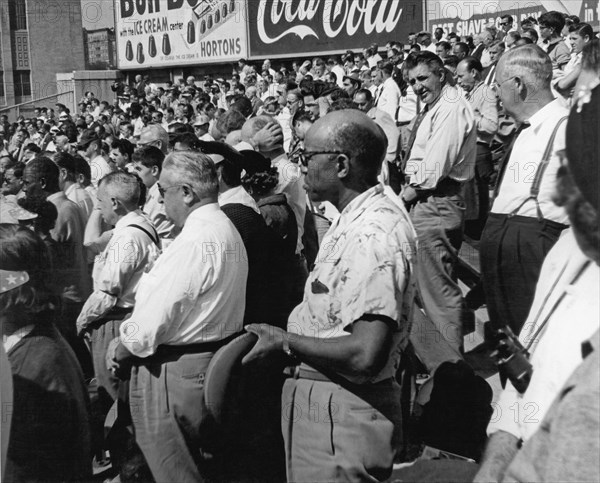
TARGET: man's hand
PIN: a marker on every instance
(111, 362)
(270, 342)
(268, 138)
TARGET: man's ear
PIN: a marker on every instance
(343, 166)
(155, 172)
(188, 195)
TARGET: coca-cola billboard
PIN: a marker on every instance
(283, 28)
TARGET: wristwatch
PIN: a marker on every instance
(287, 349)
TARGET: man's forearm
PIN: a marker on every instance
(354, 355)
(499, 452)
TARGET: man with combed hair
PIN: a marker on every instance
(347, 335)
(188, 306)
(460, 50)
(389, 99)
(154, 135)
(118, 269)
(67, 181)
(440, 159)
(147, 164)
(524, 223)
(496, 49)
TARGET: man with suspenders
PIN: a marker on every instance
(133, 248)
(524, 223)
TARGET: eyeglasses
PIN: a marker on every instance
(162, 190)
(503, 23)
(305, 156)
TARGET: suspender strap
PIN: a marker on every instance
(539, 174)
(154, 237)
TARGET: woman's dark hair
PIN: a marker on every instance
(262, 183)
(46, 211)
(22, 250)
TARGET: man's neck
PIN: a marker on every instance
(533, 106)
(199, 204)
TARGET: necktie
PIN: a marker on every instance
(491, 75)
(504, 161)
(378, 93)
(413, 135)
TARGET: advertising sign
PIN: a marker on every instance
(284, 28)
(469, 17)
(166, 33)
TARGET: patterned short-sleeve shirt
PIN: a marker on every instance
(365, 266)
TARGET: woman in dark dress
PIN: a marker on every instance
(50, 433)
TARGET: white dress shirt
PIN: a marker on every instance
(119, 268)
(387, 123)
(240, 196)
(557, 350)
(196, 291)
(446, 142)
(81, 198)
(155, 209)
(525, 158)
(389, 99)
(408, 107)
(290, 183)
(100, 168)
(339, 73)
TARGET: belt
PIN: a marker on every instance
(405, 123)
(199, 348)
(446, 187)
(298, 372)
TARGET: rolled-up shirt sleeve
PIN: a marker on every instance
(121, 259)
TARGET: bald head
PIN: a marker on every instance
(154, 135)
(354, 133)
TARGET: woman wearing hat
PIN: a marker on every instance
(50, 434)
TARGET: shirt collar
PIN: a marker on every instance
(128, 219)
(238, 195)
(13, 339)
(55, 196)
(201, 213)
(544, 114)
(359, 204)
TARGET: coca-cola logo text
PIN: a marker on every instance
(335, 16)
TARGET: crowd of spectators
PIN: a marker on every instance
(315, 207)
